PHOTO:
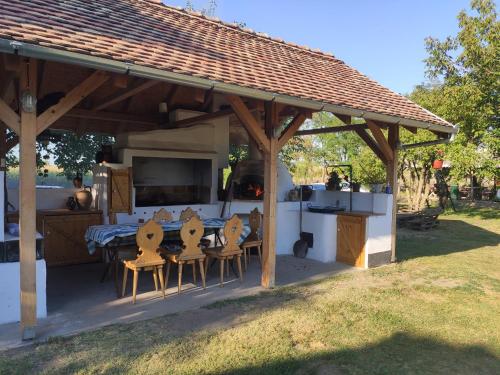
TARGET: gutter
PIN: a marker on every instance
(121, 67)
(440, 141)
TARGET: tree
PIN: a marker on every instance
(75, 154)
(468, 65)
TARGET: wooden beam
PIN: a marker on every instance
(9, 117)
(27, 203)
(11, 143)
(380, 139)
(344, 118)
(114, 117)
(193, 120)
(120, 81)
(331, 129)
(271, 119)
(72, 98)
(172, 96)
(291, 129)
(371, 143)
(392, 180)
(12, 63)
(125, 94)
(249, 122)
(411, 129)
(209, 97)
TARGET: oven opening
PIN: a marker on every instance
(171, 181)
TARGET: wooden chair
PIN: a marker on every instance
(191, 232)
(230, 250)
(163, 216)
(148, 239)
(188, 213)
(253, 239)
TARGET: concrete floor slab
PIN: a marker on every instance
(77, 301)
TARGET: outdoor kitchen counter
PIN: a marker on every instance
(347, 213)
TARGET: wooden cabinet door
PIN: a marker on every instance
(120, 190)
(351, 240)
(64, 241)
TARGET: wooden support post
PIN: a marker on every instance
(269, 222)
(27, 202)
(270, 197)
(392, 179)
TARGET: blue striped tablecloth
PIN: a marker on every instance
(101, 235)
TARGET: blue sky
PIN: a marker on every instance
(384, 39)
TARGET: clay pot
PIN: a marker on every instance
(84, 198)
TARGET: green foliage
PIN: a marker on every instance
(469, 66)
(291, 152)
(75, 154)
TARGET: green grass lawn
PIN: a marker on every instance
(437, 311)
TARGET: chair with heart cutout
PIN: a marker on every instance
(148, 238)
(190, 252)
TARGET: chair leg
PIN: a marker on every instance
(202, 273)
(159, 271)
(227, 267)
(221, 262)
(194, 272)
(134, 288)
(259, 251)
(245, 263)
(155, 278)
(179, 276)
(167, 275)
(238, 260)
(207, 259)
(124, 283)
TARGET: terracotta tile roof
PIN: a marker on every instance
(154, 35)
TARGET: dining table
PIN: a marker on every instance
(113, 237)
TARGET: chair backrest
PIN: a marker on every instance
(232, 233)
(162, 216)
(254, 221)
(191, 232)
(149, 238)
(188, 213)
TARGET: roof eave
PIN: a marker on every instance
(94, 62)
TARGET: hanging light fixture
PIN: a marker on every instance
(28, 102)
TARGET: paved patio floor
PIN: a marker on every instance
(77, 301)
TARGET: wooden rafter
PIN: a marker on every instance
(9, 117)
(291, 129)
(382, 142)
(331, 129)
(72, 98)
(125, 94)
(193, 120)
(370, 142)
(249, 122)
(114, 117)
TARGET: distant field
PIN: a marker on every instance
(54, 178)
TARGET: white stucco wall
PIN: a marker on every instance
(10, 294)
(46, 199)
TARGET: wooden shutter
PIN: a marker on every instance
(351, 240)
(120, 190)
